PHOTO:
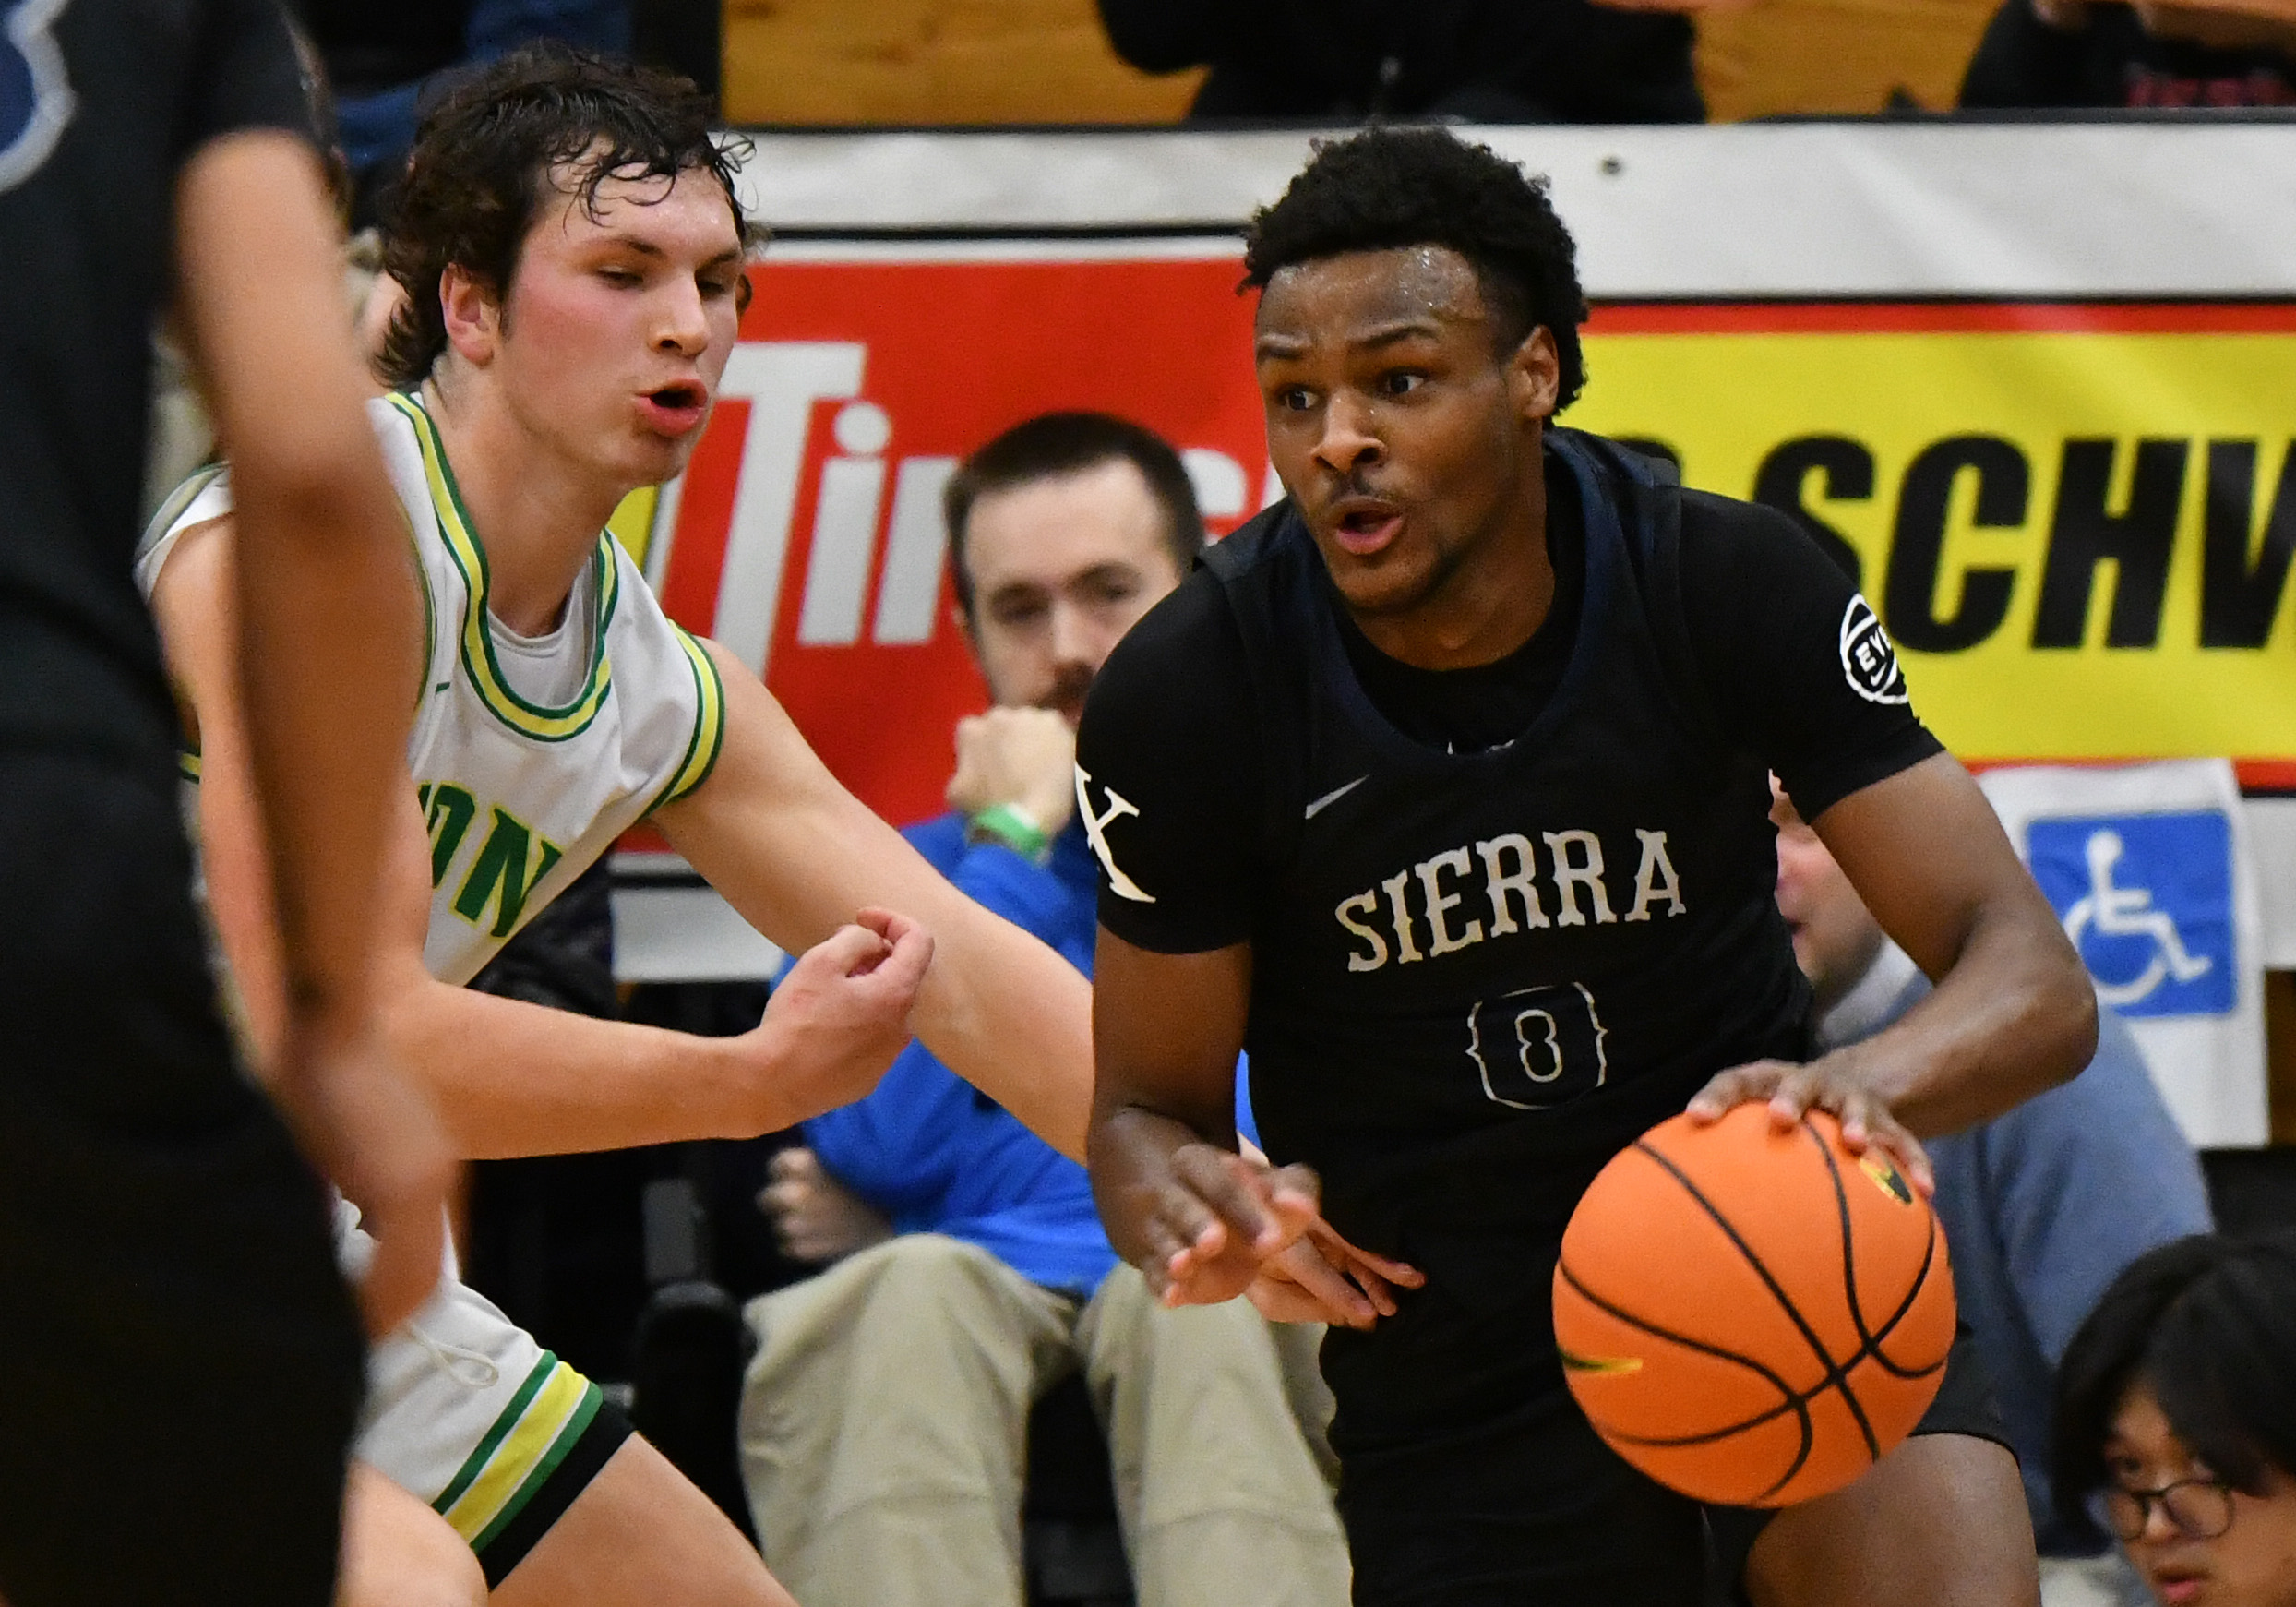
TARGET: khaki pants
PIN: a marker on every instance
(883, 1426)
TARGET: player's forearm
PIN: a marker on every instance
(1013, 1019)
(327, 696)
(326, 600)
(513, 1078)
(2014, 1016)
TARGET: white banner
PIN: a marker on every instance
(2149, 867)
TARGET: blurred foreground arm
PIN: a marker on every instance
(329, 631)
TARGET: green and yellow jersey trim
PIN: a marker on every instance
(534, 1435)
(709, 733)
(539, 721)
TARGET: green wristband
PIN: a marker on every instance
(1003, 824)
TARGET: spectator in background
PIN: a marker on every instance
(2074, 53)
(2042, 1208)
(883, 1419)
(1483, 61)
(2178, 1399)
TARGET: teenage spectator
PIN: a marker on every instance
(1483, 61)
(2178, 1401)
(183, 1357)
(883, 1420)
(2074, 53)
(2042, 1208)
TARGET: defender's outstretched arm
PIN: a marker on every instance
(793, 851)
(512, 1078)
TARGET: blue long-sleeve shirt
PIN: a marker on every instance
(2042, 1208)
(935, 1154)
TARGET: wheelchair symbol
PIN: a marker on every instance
(2128, 912)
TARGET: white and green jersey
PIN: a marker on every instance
(531, 755)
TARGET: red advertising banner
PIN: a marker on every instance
(807, 533)
(2077, 520)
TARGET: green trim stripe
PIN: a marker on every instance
(536, 720)
(187, 765)
(709, 735)
(494, 1435)
(178, 500)
(568, 1438)
(522, 1450)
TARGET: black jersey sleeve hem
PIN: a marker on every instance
(1127, 920)
(1859, 769)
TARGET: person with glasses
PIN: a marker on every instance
(2176, 1414)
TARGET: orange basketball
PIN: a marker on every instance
(1753, 1317)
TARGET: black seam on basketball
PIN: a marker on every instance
(1796, 1401)
(1809, 1335)
(1794, 1404)
(1849, 1241)
(1849, 1288)
(1751, 1364)
(1870, 1342)
(1928, 1260)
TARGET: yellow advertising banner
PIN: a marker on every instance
(2076, 520)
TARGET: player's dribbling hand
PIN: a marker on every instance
(1217, 1220)
(373, 1131)
(836, 1019)
(1320, 1278)
(1790, 1090)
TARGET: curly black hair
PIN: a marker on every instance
(1389, 187)
(2207, 1324)
(483, 163)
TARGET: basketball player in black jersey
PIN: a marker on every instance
(1443, 787)
(179, 1357)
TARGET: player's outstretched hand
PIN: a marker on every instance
(1323, 1278)
(373, 1132)
(1216, 1219)
(837, 1018)
(1822, 1085)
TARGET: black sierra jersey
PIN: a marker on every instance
(101, 102)
(1481, 966)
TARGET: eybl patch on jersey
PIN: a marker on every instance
(1869, 662)
(36, 98)
(2148, 901)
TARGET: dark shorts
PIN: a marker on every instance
(180, 1360)
(1531, 1509)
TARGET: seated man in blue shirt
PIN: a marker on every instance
(883, 1420)
(2042, 1208)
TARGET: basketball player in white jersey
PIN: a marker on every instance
(575, 258)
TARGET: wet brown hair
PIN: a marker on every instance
(488, 157)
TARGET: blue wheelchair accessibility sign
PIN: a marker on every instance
(2148, 901)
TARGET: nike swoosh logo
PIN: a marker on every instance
(1329, 798)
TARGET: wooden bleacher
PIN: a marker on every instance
(842, 62)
